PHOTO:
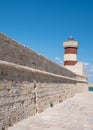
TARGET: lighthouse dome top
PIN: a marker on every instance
(70, 43)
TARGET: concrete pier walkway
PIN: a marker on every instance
(75, 113)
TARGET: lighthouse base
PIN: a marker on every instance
(78, 68)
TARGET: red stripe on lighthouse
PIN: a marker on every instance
(70, 50)
(70, 62)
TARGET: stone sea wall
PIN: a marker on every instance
(25, 91)
(30, 83)
(14, 52)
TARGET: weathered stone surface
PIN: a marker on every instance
(14, 52)
(30, 83)
(25, 100)
(75, 113)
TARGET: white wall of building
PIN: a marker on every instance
(78, 68)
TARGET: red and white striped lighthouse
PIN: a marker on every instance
(70, 52)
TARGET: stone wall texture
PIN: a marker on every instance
(14, 52)
(26, 89)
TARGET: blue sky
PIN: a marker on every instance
(43, 25)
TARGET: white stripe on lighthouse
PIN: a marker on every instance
(70, 57)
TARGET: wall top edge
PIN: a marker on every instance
(5, 37)
(28, 49)
(25, 68)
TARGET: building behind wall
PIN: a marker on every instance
(71, 57)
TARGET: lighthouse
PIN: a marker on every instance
(70, 56)
(70, 52)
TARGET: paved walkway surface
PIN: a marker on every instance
(75, 113)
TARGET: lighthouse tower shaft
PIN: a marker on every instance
(70, 52)
(70, 57)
